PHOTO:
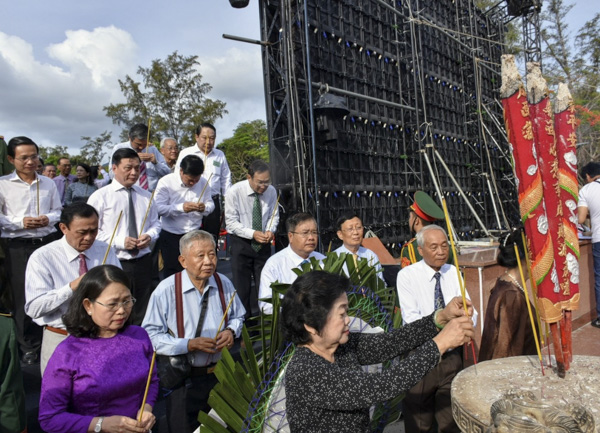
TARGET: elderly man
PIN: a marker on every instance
(152, 165)
(49, 170)
(216, 169)
(424, 288)
(170, 151)
(205, 296)
(303, 237)
(182, 201)
(252, 217)
(30, 207)
(135, 232)
(55, 270)
(351, 232)
(589, 204)
(64, 178)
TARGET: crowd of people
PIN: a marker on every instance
(103, 272)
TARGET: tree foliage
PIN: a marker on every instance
(575, 60)
(92, 151)
(172, 94)
(250, 141)
(51, 155)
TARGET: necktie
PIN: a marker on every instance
(82, 264)
(439, 298)
(256, 220)
(65, 189)
(143, 176)
(132, 226)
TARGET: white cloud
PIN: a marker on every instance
(58, 103)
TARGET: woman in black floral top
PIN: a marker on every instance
(326, 389)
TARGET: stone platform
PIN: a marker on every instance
(476, 388)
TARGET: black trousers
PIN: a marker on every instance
(212, 222)
(184, 403)
(18, 251)
(428, 402)
(141, 273)
(169, 248)
(247, 264)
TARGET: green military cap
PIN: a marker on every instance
(426, 208)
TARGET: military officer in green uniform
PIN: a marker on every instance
(422, 212)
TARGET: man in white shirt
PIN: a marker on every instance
(251, 216)
(30, 207)
(153, 165)
(182, 199)
(216, 171)
(55, 270)
(351, 232)
(589, 204)
(423, 288)
(303, 237)
(138, 228)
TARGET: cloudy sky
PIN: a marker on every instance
(60, 60)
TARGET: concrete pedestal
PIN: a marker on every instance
(476, 388)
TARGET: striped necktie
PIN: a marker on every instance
(143, 176)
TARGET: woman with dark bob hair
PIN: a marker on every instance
(507, 330)
(326, 390)
(96, 378)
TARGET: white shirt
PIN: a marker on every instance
(18, 200)
(364, 253)
(239, 204)
(50, 269)
(279, 268)
(169, 198)
(161, 316)
(589, 196)
(153, 171)
(416, 290)
(215, 163)
(109, 202)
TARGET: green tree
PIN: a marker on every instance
(92, 151)
(172, 94)
(51, 155)
(250, 141)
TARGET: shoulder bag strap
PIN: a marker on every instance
(179, 305)
(221, 295)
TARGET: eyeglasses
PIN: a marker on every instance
(307, 234)
(114, 306)
(263, 182)
(33, 158)
(353, 229)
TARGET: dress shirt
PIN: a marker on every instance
(109, 202)
(215, 163)
(18, 200)
(239, 203)
(589, 196)
(169, 197)
(161, 316)
(153, 171)
(363, 253)
(280, 267)
(105, 178)
(60, 184)
(416, 290)
(50, 269)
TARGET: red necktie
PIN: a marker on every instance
(143, 176)
(82, 265)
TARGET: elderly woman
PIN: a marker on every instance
(83, 188)
(326, 389)
(96, 378)
(507, 330)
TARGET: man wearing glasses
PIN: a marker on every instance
(351, 232)
(303, 237)
(55, 270)
(30, 207)
(251, 216)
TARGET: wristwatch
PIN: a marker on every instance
(232, 331)
(98, 427)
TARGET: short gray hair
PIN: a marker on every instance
(195, 236)
(421, 235)
(164, 140)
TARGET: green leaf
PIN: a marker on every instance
(210, 425)
(225, 411)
